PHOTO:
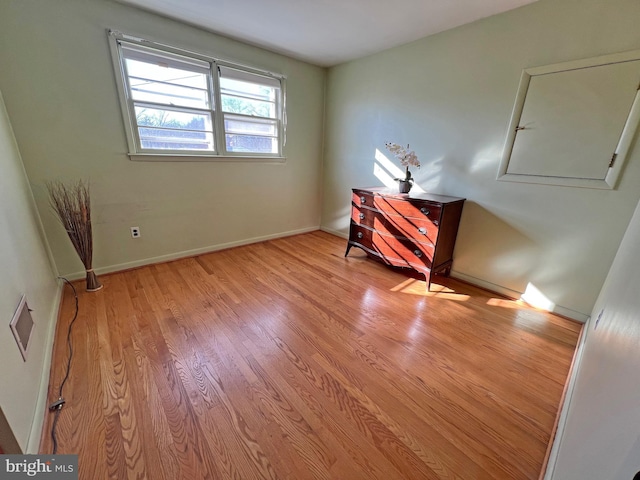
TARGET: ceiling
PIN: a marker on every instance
(327, 32)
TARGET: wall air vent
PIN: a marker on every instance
(22, 326)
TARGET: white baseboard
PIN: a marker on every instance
(188, 253)
(507, 292)
(337, 233)
(35, 435)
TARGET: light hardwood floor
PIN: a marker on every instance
(286, 360)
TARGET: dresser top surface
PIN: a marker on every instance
(389, 192)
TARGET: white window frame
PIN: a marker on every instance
(220, 153)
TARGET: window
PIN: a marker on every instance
(178, 104)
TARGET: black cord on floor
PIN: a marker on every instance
(57, 405)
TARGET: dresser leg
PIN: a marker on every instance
(348, 248)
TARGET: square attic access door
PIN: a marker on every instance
(573, 123)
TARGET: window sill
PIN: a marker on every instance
(172, 157)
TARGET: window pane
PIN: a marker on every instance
(246, 106)
(168, 129)
(251, 144)
(164, 73)
(247, 89)
(247, 126)
(168, 139)
(171, 86)
(149, 91)
(155, 117)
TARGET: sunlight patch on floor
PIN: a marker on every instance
(534, 297)
(531, 298)
(501, 302)
(412, 286)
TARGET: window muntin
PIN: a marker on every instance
(170, 100)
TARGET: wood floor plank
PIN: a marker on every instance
(286, 360)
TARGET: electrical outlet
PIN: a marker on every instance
(135, 232)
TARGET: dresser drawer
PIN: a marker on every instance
(363, 216)
(362, 199)
(408, 208)
(401, 251)
(403, 207)
(419, 229)
(361, 235)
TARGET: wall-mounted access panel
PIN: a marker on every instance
(573, 123)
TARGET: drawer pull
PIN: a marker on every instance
(363, 199)
(422, 231)
(359, 235)
(361, 216)
(425, 210)
(417, 253)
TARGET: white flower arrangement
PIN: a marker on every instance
(406, 157)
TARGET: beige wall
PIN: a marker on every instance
(450, 97)
(601, 438)
(58, 82)
(24, 269)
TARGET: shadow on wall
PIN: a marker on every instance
(502, 255)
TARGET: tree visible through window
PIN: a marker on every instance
(249, 103)
(171, 96)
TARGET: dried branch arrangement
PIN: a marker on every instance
(73, 207)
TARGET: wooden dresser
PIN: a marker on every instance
(416, 231)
